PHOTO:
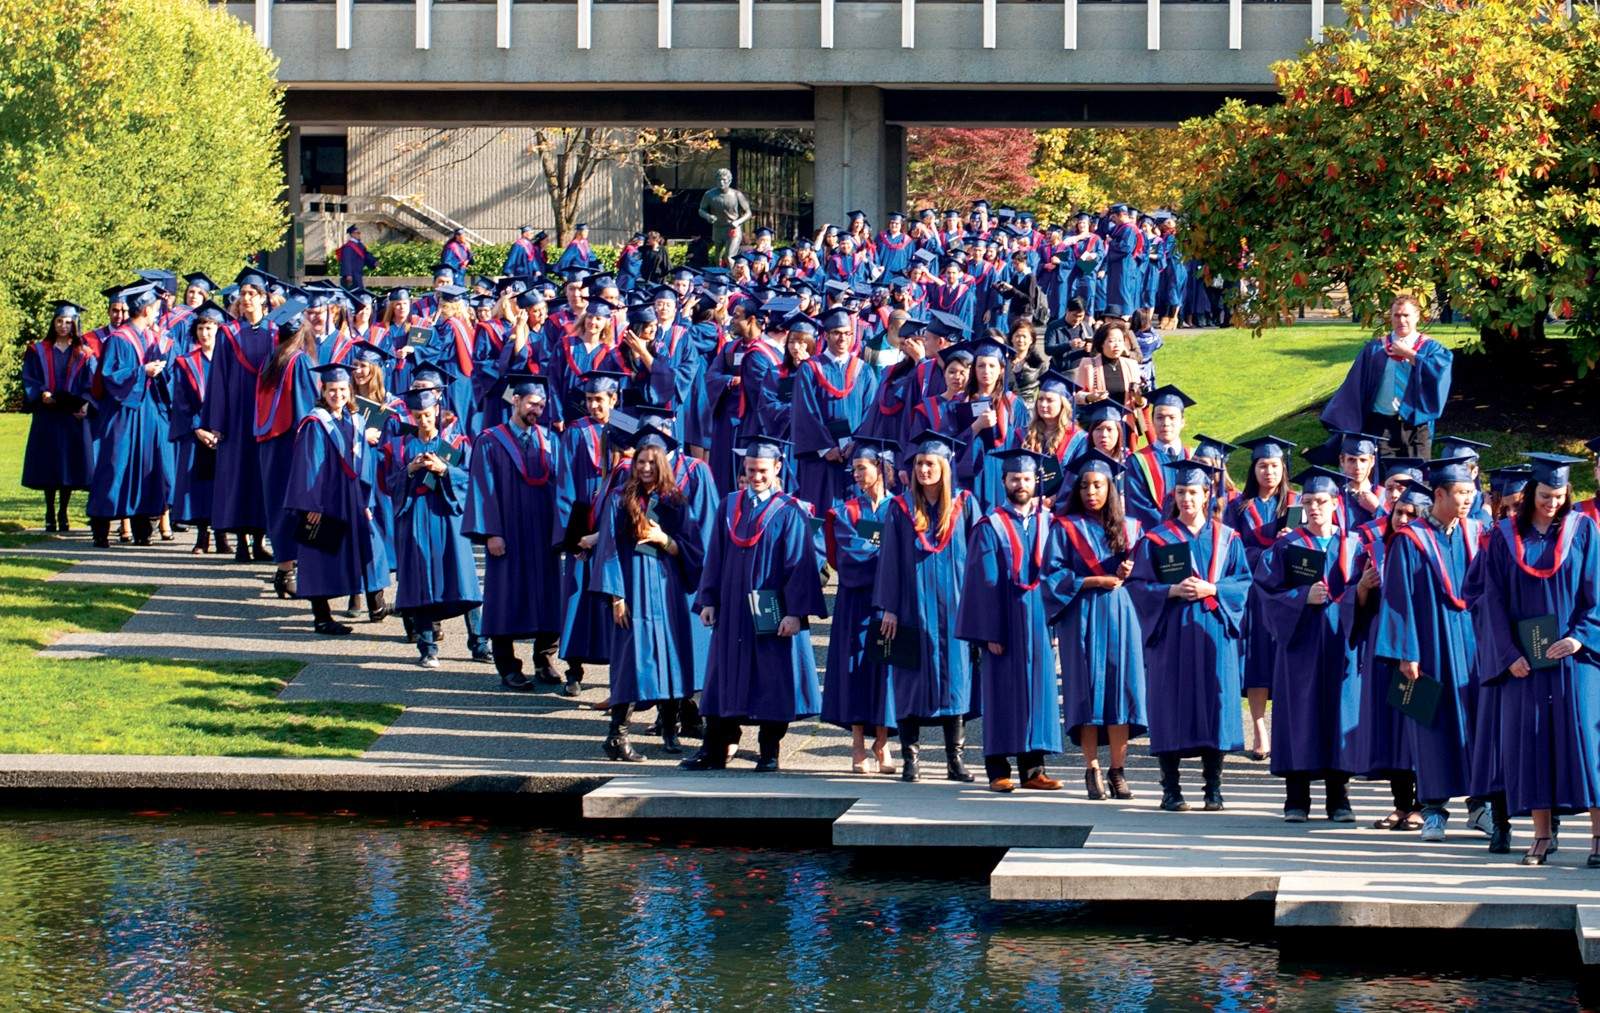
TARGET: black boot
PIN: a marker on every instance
(221, 544)
(100, 527)
(140, 528)
(241, 552)
(1211, 771)
(1171, 795)
(322, 620)
(955, 740)
(667, 718)
(1117, 779)
(281, 584)
(49, 511)
(617, 745)
(1500, 818)
(910, 763)
(691, 725)
(258, 551)
(61, 511)
(202, 539)
(377, 608)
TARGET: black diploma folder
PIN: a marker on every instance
(1294, 517)
(418, 336)
(1536, 636)
(1417, 699)
(872, 531)
(577, 527)
(903, 650)
(1171, 562)
(766, 611)
(1303, 566)
(326, 535)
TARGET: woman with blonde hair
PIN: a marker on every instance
(918, 589)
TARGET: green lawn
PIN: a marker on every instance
(136, 706)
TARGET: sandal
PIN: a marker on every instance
(1536, 855)
(1388, 822)
(1412, 823)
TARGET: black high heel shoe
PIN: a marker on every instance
(1594, 853)
(1536, 855)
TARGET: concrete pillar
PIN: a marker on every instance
(860, 160)
(282, 261)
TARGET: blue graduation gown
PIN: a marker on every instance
(1193, 650)
(1123, 269)
(238, 502)
(857, 688)
(1316, 659)
(59, 453)
(728, 405)
(1147, 484)
(653, 658)
(700, 524)
(1550, 720)
(194, 479)
(919, 579)
(1174, 277)
(325, 477)
(569, 359)
(978, 469)
(511, 494)
(1426, 384)
(583, 477)
(1424, 618)
(278, 411)
(1373, 737)
(1003, 603)
(765, 546)
(438, 577)
(129, 477)
(900, 390)
(1097, 631)
(828, 397)
(1258, 524)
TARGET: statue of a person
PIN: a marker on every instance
(727, 210)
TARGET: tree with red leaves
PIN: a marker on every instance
(952, 167)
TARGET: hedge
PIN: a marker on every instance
(416, 259)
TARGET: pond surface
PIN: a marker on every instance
(292, 912)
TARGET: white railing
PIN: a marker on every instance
(344, 15)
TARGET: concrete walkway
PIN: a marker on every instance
(461, 732)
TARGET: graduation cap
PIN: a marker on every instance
(366, 351)
(400, 294)
(777, 310)
(137, 297)
(1053, 382)
(952, 213)
(1325, 453)
(1118, 209)
(872, 448)
(988, 347)
(960, 352)
(443, 271)
(762, 448)
(67, 308)
(200, 279)
(1192, 472)
(1594, 445)
(1170, 396)
(620, 428)
(1510, 480)
(1262, 447)
(601, 381)
(528, 385)
(642, 314)
(167, 281)
(1449, 470)
(837, 320)
(947, 325)
(1104, 410)
(1553, 470)
(1317, 479)
(654, 415)
(598, 283)
(835, 287)
(442, 368)
(515, 286)
(417, 400)
(450, 293)
(360, 295)
(316, 297)
(529, 299)
(857, 216)
(927, 258)
(332, 372)
(1458, 446)
(1415, 494)
(1019, 460)
(799, 323)
(652, 436)
(1411, 467)
(1211, 447)
(483, 281)
(599, 308)
(935, 443)
(949, 260)
(212, 312)
(894, 216)
(1093, 461)
(1114, 310)
(1357, 444)
(913, 326)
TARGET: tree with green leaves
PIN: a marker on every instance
(133, 134)
(1446, 146)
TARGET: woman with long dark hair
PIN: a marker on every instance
(1096, 625)
(285, 394)
(918, 590)
(995, 420)
(56, 374)
(647, 560)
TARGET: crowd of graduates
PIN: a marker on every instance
(664, 473)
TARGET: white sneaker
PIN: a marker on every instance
(428, 661)
(1481, 820)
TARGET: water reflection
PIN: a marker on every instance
(342, 913)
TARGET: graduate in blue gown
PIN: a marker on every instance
(858, 690)
(1124, 258)
(992, 422)
(1458, 446)
(647, 561)
(1360, 496)
(1193, 636)
(1259, 514)
(56, 374)
(438, 577)
(1003, 614)
(763, 544)
(1146, 482)
(1311, 623)
(1425, 628)
(572, 356)
(583, 477)
(1096, 625)
(1374, 740)
(228, 417)
(1397, 387)
(1544, 565)
(284, 394)
(511, 509)
(833, 394)
(918, 589)
(325, 494)
(194, 480)
(129, 475)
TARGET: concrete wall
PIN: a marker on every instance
(484, 178)
(867, 45)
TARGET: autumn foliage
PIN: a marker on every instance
(952, 167)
